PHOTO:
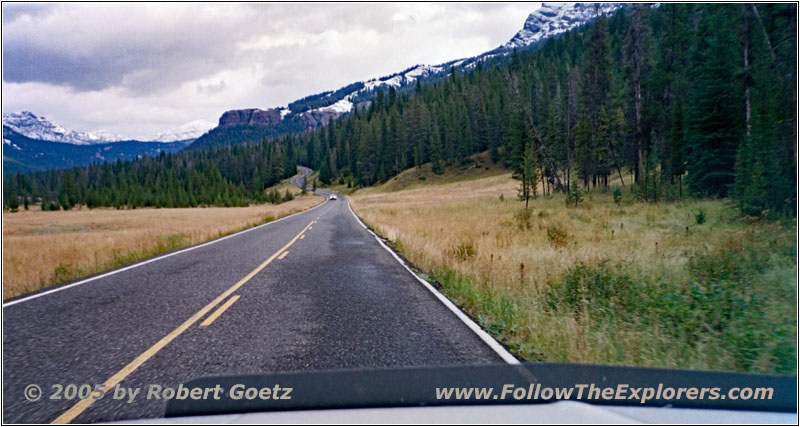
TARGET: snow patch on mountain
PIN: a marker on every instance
(191, 130)
(400, 79)
(32, 126)
(340, 107)
(556, 18)
(11, 144)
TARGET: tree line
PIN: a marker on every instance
(226, 176)
(677, 100)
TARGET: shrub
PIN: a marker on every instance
(523, 219)
(574, 196)
(49, 206)
(557, 236)
(718, 308)
(700, 216)
(464, 251)
(617, 195)
(274, 197)
(65, 272)
(600, 289)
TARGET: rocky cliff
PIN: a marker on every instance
(251, 117)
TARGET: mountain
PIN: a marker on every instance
(188, 131)
(35, 127)
(24, 154)
(552, 19)
(248, 125)
(312, 111)
(33, 143)
(38, 127)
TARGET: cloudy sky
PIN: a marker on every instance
(140, 69)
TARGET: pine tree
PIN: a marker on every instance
(574, 196)
(675, 162)
(715, 122)
(637, 55)
(436, 151)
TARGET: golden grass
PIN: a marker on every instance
(45, 248)
(466, 233)
(423, 176)
(471, 214)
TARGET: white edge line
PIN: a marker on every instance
(139, 264)
(483, 335)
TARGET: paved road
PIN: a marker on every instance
(312, 291)
(297, 180)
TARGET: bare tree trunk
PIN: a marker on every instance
(636, 52)
(747, 78)
(638, 105)
(766, 36)
(791, 148)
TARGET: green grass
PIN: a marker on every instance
(735, 313)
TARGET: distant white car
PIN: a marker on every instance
(332, 197)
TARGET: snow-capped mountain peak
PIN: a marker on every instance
(555, 18)
(36, 127)
(191, 130)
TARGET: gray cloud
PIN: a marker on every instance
(178, 62)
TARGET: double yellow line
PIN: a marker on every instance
(115, 379)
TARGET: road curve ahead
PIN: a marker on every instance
(303, 173)
(311, 291)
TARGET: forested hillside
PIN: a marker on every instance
(680, 99)
(228, 176)
(693, 99)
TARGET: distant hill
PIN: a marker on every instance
(24, 154)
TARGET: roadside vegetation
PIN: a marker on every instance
(611, 279)
(42, 248)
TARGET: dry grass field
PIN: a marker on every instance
(46, 248)
(633, 284)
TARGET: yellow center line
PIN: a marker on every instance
(283, 255)
(115, 379)
(210, 319)
(302, 237)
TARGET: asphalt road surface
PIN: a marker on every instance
(312, 291)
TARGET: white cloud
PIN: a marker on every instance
(138, 69)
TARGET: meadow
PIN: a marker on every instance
(685, 284)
